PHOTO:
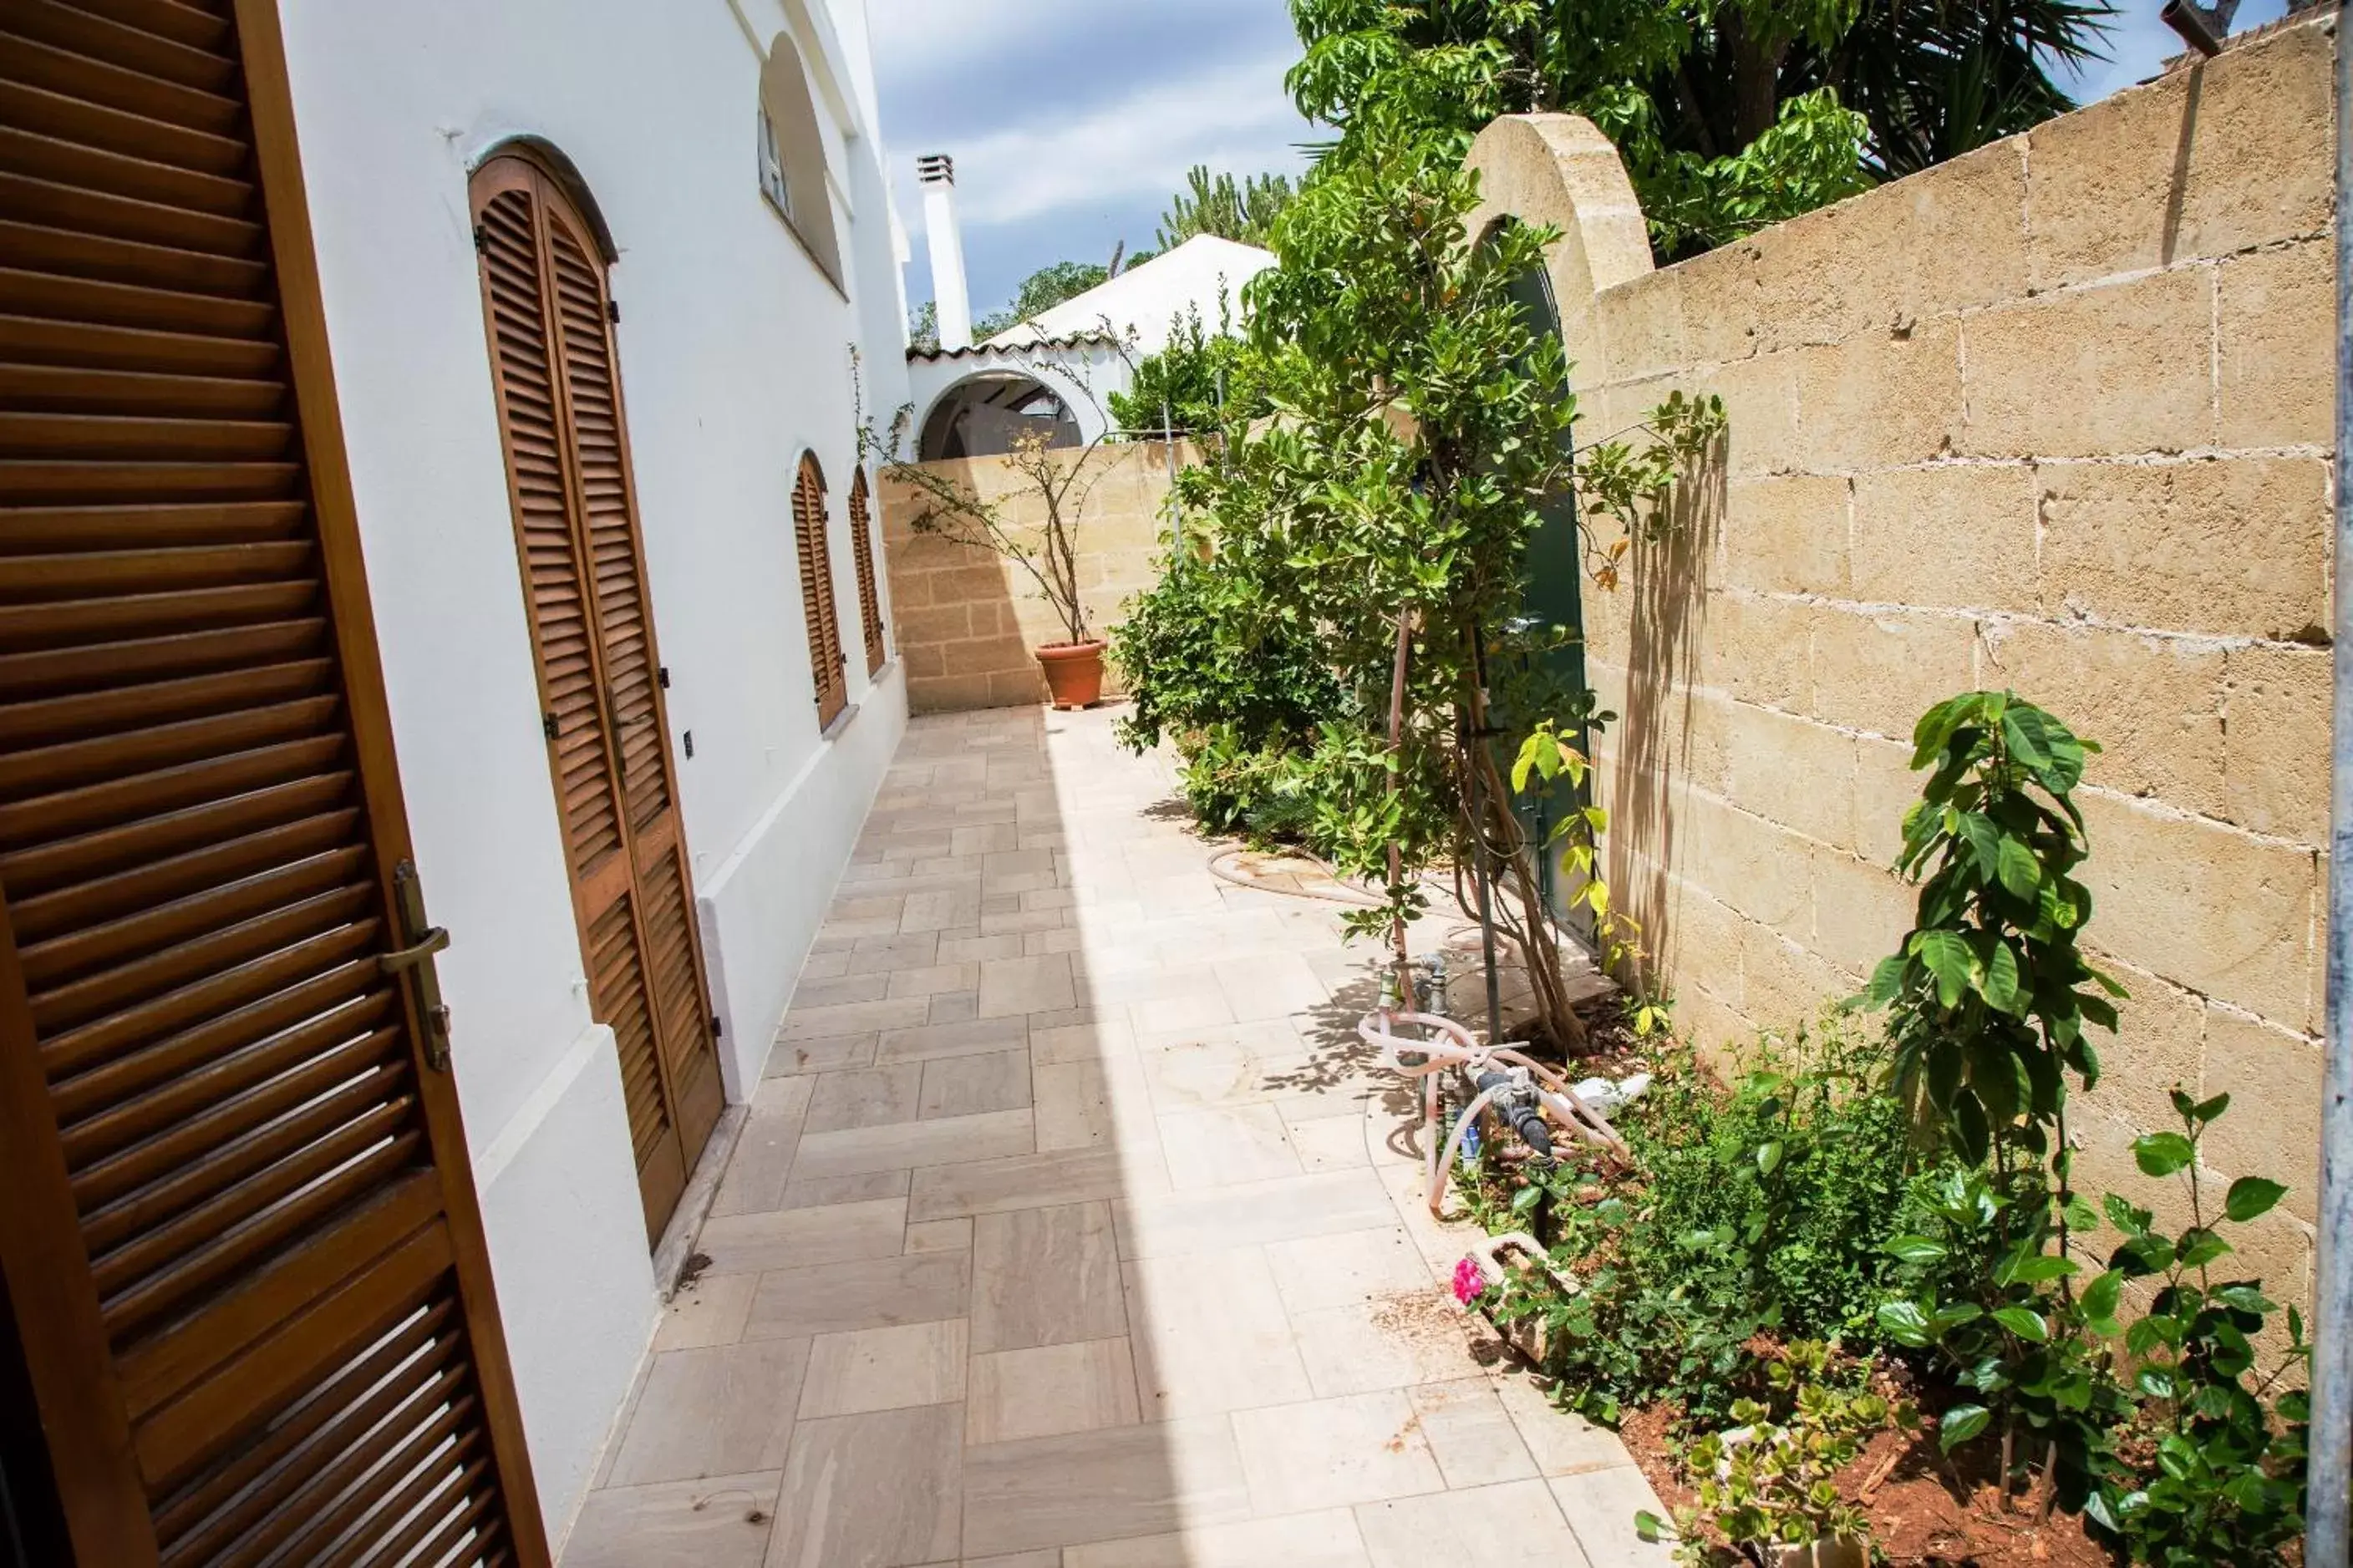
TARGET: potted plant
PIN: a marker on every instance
(1034, 525)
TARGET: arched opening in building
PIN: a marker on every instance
(983, 416)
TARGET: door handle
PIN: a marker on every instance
(415, 962)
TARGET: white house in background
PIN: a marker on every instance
(459, 522)
(1057, 370)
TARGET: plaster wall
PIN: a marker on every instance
(2056, 418)
(735, 355)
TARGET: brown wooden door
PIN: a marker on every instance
(549, 315)
(239, 1234)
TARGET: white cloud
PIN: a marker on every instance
(1229, 117)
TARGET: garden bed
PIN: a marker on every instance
(1923, 1513)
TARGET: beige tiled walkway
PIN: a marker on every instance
(1073, 1231)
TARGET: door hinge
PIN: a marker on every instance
(717, 1027)
(661, 676)
(415, 961)
(688, 738)
(547, 722)
(612, 309)
(482, 239)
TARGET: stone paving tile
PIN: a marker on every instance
(1146, 1480)
(1507, 1526)
(914, 1287)
(751, 1243)
(971, 1086)
(1045, 1276)
(721, 1411)
(1064, 1232)
(722, 1522)
(884, 1369)
(1330, 1453)
(1325, 1539)
(1051, 1389)
(883, 1488)
(1600, 1505)
(710, 1311)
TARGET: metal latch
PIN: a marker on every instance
(415, 961)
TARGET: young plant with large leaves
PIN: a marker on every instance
(1990, 995)
(2225, 1481)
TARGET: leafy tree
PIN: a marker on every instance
(1039, 292)
(924, 326)
(1246, 211)
(1419, 438)
(1200, 381)
(1730, 114)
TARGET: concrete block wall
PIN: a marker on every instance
(2054, 416)
(965, 620)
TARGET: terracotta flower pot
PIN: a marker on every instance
(1073, 672)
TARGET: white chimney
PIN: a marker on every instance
(949, 299)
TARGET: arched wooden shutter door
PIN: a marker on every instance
(238, 1229)
(869, 602)
(599, 673)
(814, 559)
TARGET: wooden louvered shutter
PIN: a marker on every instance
(824, 622)
(239, 1231)
(592, 631)
(869, 602)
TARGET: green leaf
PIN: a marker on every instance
(1915, 1249)
(2025, 1323)
(1769, 1157)
(2162, 1153)
(1951, 1316)
(1946, 953)
(1960, 1424)
(2199, 1248)
(1525, 1200)
(1984, 840)
(2251, 1196)
(1887, 981)
(2002, 981)
(1649, 1526)
(2101, 1297)
(2020, 871)
(1905, 1322)
(2038, 1269)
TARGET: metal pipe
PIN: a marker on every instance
(2329, 1509)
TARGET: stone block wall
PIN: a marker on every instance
(2054, 416)
(965, 620)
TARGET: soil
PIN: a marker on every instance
(1925, 1513)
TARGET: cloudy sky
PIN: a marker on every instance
(1072, 121)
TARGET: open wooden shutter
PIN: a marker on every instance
(862, 549)
(240, 1231)
(549, 316)
(824, 622)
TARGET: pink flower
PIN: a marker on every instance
(1469, 1281)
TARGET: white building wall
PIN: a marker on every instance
(735, 357)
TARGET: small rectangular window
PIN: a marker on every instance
(772, 168)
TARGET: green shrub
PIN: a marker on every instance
(1759, 1209)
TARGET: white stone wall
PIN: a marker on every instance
(735, 357)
